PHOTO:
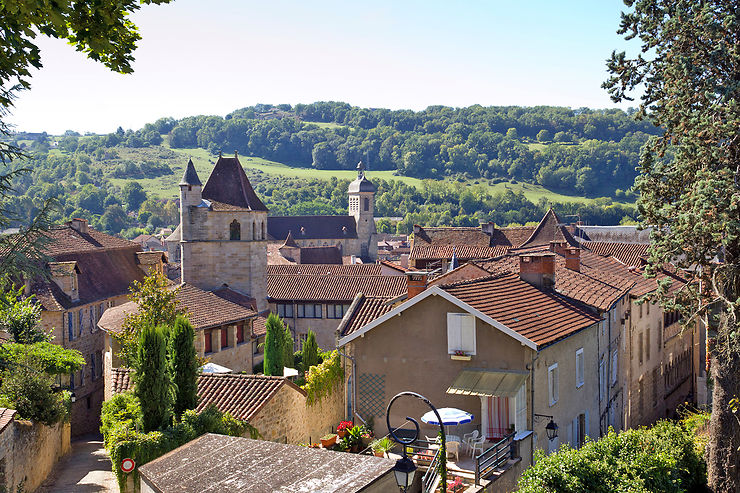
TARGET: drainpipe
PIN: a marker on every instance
(535, 357)
(354, 380)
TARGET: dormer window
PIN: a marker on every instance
(235, 230)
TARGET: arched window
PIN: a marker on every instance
(366, 204)
(235, 230)
(264, 235)
(254, 231)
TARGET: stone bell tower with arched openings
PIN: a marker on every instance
(223, 231)
(362, 207)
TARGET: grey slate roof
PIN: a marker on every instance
(229, 185)
(234, 464)
(312, 227)
(190, 177)
(613, 234)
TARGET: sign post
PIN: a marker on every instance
(127, 465)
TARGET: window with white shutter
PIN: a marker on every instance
(602, 379)
(460, 333)
(580, 372)
(552, 383)
(615, 366)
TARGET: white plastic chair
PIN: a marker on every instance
(434, 439)
(476, 444)
(467, 437)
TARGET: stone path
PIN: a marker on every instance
(86, 469)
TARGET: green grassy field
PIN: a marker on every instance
(176, 159)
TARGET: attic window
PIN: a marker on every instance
(344, 230)
(235, 230)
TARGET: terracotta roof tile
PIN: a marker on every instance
(243, 396)
(540, 316)
(362, 312)
(513, 236)
(627, 253)
(324, 269)
(204, 308)
(550, 228)
(462, 252)
(236, 297)
(259, 327)
(66, 240)
(332, 287)
(6, 416)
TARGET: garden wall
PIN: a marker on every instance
(28, 451)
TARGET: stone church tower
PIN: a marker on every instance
(223, 231)
(362, 206)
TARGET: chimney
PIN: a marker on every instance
(416, 282)
(79, 225)
(538, 269)
(558, 247)
(353, 259)
(417, 229)
(573, 259)
(488, 228)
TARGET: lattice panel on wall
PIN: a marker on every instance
(371, 399)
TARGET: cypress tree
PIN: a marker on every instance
(288, 355)
(184, 363)
(310, 351)
(153, 383)
(274, 346)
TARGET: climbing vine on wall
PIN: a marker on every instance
(322, 378)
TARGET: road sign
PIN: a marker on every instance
(127, 465)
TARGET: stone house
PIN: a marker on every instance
(90, 272)
(242, 464)
(498, 346)
(274, 405)
(226, 332)
(316, 297)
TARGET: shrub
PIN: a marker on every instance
(153, 382)
(28, 390)
(658, 459)
(310, 351)
(321, 379)
(274, 346)
(51, 358)
(184, 366)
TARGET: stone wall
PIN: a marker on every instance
(28, 451)
(286, 418)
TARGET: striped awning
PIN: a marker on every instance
(490, 383)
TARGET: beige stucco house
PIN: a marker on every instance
(500, 347)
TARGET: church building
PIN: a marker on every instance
(224, 230)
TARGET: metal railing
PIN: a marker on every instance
(493, 457)
(431, 478)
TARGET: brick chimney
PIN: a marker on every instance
(538, 269)
(417, 229)
(416, 283)
(573, 258)
(79, 225)
(558, 247)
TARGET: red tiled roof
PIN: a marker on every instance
(258, 326)
(204, 310)
(542, 317)
(324, 269)
(513, 236)
(363, 311)
(236, 297)
(66, 240)
(332, 287)
(470, 236)
(6, 416)
(393, 265)
(462, 252)
(627, 253)
(243, 396)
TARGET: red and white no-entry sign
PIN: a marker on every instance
(127, 465)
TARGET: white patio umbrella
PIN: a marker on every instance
(214, 368)
(450, 416)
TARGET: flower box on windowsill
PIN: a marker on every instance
(460, 357)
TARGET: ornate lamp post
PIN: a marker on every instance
(405, 467)
(551, 428)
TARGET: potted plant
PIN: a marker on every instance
(381, 446)
(342, 428)
(367, 437)
(460, 355)
(354, 438)
(328, 440)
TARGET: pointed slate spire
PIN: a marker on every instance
(289, 241)
(190, 177)
(453, 261)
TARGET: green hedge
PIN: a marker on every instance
(322, 378)
(660, 459)
(121, 420)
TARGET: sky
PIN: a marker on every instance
(212, 57)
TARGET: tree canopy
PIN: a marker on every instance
(689, 68)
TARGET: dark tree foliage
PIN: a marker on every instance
(288, 356)
(274, 346)
(310, 351)
(689, 67)
(184, 361)
(153, 380)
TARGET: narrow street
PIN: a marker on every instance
(86, 469)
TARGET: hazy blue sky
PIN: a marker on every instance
(211, 57)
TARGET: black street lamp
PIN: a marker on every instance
(551, 428)
(405, 468)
